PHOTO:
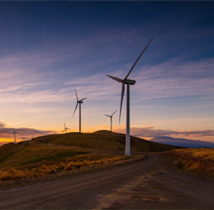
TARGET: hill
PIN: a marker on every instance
(63, 152)
(182, 142)
(103, 140)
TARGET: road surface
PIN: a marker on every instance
(150, 183)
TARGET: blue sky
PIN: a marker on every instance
(49, 49)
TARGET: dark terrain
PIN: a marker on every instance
(150, 183)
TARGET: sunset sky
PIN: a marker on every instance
(49, 49)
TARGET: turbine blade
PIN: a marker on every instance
(113, 113)
(114, 78)
(121, 102)
(76, 94)
(107, 115)
(138, 59)
(83, 99)
(75, 109)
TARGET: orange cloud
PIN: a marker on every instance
(21, 133)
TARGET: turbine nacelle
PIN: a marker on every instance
(110, 116)
(124, 81)
(128, 82)
(66, 128)
(78, 102)
(81, 101)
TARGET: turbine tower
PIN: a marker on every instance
(14, 134)
(127, 82)
(65, 128)
(79, 102)
(110, 116)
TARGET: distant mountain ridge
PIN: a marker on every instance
(182, 142)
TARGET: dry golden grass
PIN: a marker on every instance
(198, 161)
(202, 153)
(44, 170)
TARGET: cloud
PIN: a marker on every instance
(50, 70)
(151, 132)
(175, 77)
(26, 133)
(169, 79)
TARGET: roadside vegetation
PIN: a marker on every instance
(42, 169)
(197, 161)
(29, 160)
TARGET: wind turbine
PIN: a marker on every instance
(110, 116)
(14, 134)
(65, 129)
(78, 102)
(127, 82)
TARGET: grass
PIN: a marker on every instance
(52, 154)
(33, 154)
(203, 153)
(44, 169)
(103, 140)
(196, 161)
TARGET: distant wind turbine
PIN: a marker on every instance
(79, 102)
(65, 130)
(110, 116)
(14, 134)
(127, 82)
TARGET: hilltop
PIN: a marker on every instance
(103, 140)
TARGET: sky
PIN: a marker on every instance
(50, 48)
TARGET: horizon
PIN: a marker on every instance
(49, 49)
(163, 139)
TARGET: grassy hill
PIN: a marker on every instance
(103, 140)
(62, 152)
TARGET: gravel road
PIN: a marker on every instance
(151, 183)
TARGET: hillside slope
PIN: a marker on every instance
(103, 140)
(60, 147)
(66, 152)
(198, 161)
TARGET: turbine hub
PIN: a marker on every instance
(128, 81)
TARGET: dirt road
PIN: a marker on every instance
(150, 183)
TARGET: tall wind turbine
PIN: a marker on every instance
(79, 102)
(66, 128)
(110, 116)
(127, 82)
(14, 134)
